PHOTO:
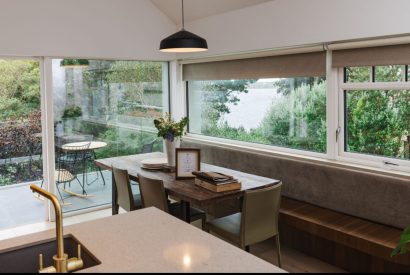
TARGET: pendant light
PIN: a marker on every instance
(183, 41)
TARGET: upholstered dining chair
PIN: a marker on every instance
(257, 222)
(125, 198)
(153, 194)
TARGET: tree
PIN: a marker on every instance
(298, 120)
(217, 94)
(19, 88)
(286, 85)
(377, 119)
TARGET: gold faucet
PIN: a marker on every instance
(61, 262)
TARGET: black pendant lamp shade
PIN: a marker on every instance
(183, 41)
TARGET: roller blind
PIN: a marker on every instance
(293, 65)
(372, 56)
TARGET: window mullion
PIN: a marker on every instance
(331, 107)
(341, 114)
(47, 117)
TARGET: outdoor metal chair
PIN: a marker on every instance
(148, 147)
(71, 162)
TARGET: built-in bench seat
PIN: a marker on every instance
(344, 231)
(344, 215)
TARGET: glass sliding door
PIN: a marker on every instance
(20, 142)
(102, 109)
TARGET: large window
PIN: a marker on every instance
(285, 112)
(284, 103)
(377, 111)
(275, 100)
(109, 107)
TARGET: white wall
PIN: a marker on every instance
(124, 29)
(282, 23)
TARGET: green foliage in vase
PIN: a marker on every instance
(170, 129)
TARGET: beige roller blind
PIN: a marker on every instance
(294, 65)
(372, 56)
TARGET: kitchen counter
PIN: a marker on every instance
(150, 240)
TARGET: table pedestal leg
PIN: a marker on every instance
(186, 211)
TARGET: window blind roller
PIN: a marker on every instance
(293, 65)
(372, 56)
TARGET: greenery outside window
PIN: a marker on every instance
(377, 112)
(284, 112)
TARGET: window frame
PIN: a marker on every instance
(48, 102)
(358, 158)
(335, 154)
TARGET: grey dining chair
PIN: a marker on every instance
(125, 198)
(153, 194)
(257, 222)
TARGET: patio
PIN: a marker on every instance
(20, 207)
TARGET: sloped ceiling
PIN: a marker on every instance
(197, 9)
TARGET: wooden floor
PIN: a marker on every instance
(293, 261)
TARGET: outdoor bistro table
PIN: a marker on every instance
(94, 145)
(185, 190)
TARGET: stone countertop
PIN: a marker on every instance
(150, 240)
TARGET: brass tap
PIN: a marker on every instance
(61, 262)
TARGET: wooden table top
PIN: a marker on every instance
(93, 145)
(186, 189)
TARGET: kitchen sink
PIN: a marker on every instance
(24, 259)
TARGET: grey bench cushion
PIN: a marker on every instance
(378, 198)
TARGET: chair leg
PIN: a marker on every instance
(82, 185)
(278, 250)
(99, 168)
(61, 197)
(203, 219)
(247, 248)
(101, 175)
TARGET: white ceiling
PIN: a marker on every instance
(196, 9)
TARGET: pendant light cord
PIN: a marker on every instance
(183, 21)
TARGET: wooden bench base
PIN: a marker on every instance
(355, 244)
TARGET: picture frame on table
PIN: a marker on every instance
(187, 160)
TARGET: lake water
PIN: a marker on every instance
(251, 109)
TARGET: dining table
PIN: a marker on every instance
(184, 189)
